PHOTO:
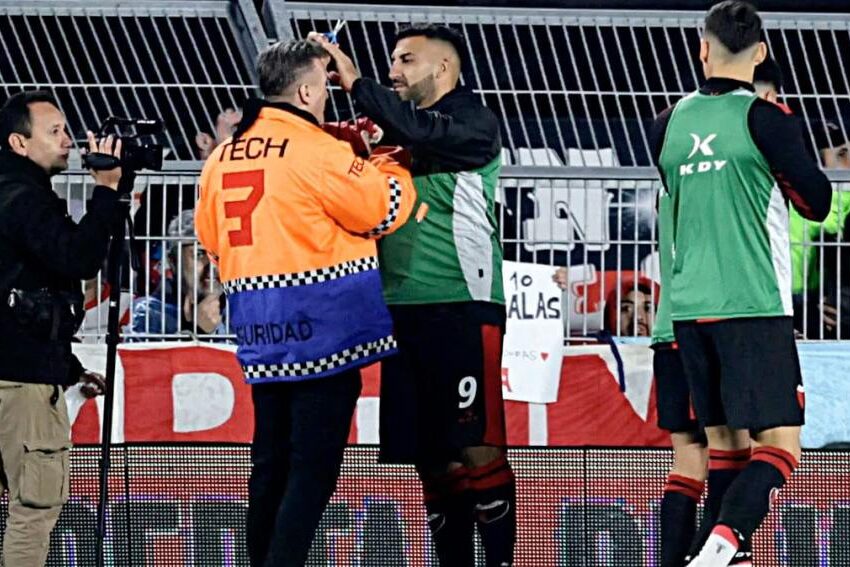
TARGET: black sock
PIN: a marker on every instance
(678, 518)
(494, 492)
(723, 468)
(448, 502)
(749, 498)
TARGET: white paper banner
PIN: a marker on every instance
(531, 361)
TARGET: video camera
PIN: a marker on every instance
(139, 149)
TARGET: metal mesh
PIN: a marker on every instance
(591, 79)
(183, 62)
(596, 225)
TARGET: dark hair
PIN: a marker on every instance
(281, 64)
(435, 31)
(15, 114)
(735, 23)
(768, 71)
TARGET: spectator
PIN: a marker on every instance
(159, 204)
(191, 302)
(636, 313)
(225, 124)
(805, 268)
(767, 80)
(93, 328)
(637, 305)
(834, 153)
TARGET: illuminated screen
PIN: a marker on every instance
(185, 505)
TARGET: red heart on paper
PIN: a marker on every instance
(544, 355)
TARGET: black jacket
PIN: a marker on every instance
(457, 133)
(42, 248)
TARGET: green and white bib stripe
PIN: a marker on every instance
(731, 251)
(454, 253)
(662, 330)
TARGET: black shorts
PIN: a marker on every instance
(672, 395)
(743, 373)
(443, 391)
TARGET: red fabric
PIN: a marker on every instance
(148, 378)
(452, 483)
(591, 410)
(779, 458)
(690, 487)
(726, 533)
(491, 340)
(491, 475)
(728, 460)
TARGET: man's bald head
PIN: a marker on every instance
(426, 63)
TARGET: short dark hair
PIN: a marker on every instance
(435, 31)
(735, 23)
(15, 114)
(768, 71)
(281, 64)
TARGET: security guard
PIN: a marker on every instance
(291, 213)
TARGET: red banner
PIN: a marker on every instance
(195, 393)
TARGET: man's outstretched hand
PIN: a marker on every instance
(346, 73)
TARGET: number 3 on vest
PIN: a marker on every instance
(244, 208)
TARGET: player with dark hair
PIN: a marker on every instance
(441, 396)
(729, 162)
(767, 80)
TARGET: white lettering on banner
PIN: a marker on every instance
(217, 394)
(534, 339)
(367, 416)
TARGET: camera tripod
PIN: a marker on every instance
(114, 271)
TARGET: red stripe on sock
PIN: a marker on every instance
(726, 533)
(493, 480)
(690, 487)
(484, 470)
(494, 407)
(784, 461)
(728, 460)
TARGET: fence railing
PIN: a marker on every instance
(563, 81)
(570, 87)
(595, 227)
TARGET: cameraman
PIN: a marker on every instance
(43, 258)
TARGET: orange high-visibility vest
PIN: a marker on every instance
(290, 215)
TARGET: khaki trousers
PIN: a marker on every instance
(34, 466)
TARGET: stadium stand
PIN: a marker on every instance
(575, 91)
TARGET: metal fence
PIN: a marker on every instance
(575, 91)
(596, 228)
(183, 62)
(564, 80)
(561, 81)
